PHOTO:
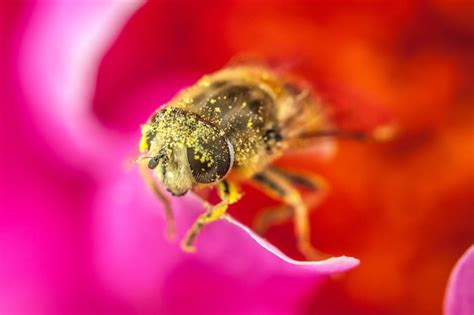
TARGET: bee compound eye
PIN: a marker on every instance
(221, 160)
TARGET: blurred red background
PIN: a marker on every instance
(405, 208)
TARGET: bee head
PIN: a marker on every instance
(185, 151)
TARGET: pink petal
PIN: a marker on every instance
(243, 272)
(60, 49)
(459, 299)
(330, 265)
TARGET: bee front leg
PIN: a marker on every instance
(229, 194)
(279, 184)
(169, 217)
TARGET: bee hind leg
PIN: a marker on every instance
(280, 185)
(229, 194)
(269, 217)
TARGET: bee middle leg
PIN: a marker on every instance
(229, 194)
(280, 185)
(281, 214)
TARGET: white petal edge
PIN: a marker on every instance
(330, 265)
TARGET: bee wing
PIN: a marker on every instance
(303, 114)
(281, 65)
(349, 109)
(342, 114)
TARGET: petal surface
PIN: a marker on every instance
(459, 299)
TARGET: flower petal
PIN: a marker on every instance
(136, 262)
(60, 49)
(459, 298)
(327, 266)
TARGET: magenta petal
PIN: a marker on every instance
(459, 298)
(61, 45)
(276, 257)
(244, 273)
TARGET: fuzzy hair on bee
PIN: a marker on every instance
(239, 119)
(226, 129)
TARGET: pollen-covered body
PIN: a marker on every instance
(256, 110)
(228, 128)
(259, 113)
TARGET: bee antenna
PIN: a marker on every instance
(143, 157)
(137, 160)
(355, 135)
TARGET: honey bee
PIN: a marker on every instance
(229, 128)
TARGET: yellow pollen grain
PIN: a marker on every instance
(212, 101)
(217, 109)
(249, 123)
